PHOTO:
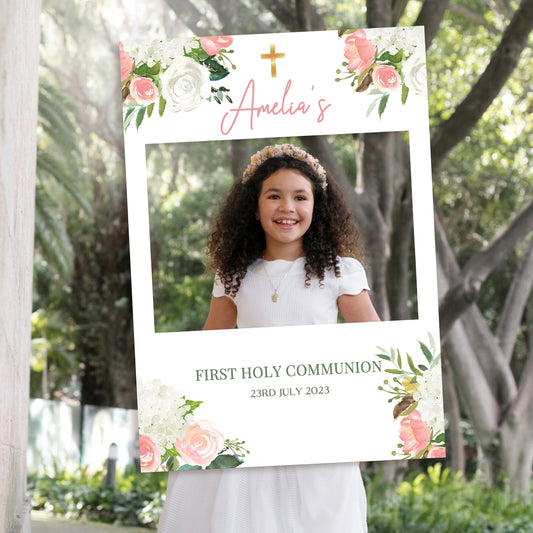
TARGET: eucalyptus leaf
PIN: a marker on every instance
(383, 104)
(128, 117)
(140, 116)
(426, 351)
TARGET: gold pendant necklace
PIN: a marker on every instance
(274, 296)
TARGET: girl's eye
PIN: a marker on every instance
(273, 197)
(301, 198)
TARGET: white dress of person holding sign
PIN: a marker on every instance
(285, 251)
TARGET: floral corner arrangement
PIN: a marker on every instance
(391, 63)
(173, 75)
(171, 439)
(416, 392)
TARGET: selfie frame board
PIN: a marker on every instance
(296, 394)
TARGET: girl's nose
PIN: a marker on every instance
(287, 205)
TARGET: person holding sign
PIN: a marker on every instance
(285, 251)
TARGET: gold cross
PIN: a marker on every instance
(272, 56)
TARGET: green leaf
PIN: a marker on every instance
(411, 364)
(193, 404)
(399, 360)
(140, 116)
(364, 82)
(394, 371)
(128, 117)
(405, 93)
(404, 407)
(387, 56)
(426, 352)
(162, 105)
(216, 70)
(154, 69)
(150, 109)
(169, 452)
(383, 356)
(441, 437)
(368, 70)
(382, 350)
(147, 72)
(226, 461)
(190, 467)
(173, 463)
(436, 361)
(130, 110)
(383, 104)
(432, 342)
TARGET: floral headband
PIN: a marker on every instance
(285, 150)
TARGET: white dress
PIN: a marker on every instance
(286, 499)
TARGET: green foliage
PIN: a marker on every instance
(52, 361)
(487, 177)
(135, 500)
(58, 163)
(438, 501)
(435, 501)
(186, 183)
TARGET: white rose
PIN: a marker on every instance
(415, 73)
(184, 84)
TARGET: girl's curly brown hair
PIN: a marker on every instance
(238, 238)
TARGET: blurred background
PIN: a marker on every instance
(82, 380)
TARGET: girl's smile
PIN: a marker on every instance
(285, 210)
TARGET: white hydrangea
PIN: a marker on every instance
(159, 50)
(163, 413)
(397, 39)
(429, 398)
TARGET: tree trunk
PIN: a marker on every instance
(19, 54)
(454, 438)
(101, 288)
(515, 303)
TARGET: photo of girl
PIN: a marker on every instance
(285, 252)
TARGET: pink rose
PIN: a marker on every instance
(149, 454)
(201, 444)
(437, 452)
(414, 433)
(126, 63)
(143, 90)
(213, 45)
(386, 77)
(359, 51)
